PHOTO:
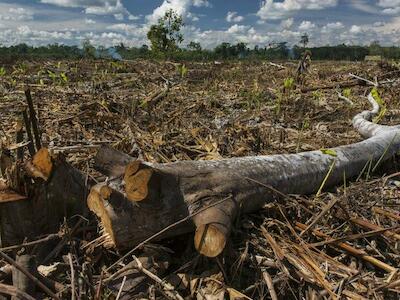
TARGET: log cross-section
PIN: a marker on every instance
(172, 191)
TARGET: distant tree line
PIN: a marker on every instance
(194, 51)
(165, 39)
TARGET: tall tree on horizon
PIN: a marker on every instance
(165, 36)
(304, 40)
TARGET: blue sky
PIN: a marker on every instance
(210, 22)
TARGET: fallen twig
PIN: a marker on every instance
(29, 275)
(168, 288)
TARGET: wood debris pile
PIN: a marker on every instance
(340, 243)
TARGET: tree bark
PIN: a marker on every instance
(214, 192)
(54, 190)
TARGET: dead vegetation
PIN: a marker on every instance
(340, 243)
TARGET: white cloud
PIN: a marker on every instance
(306, 26)
(237, 28)
(200, 3)
(388, 3)
(95, 7)
(286, 24)
(391, 10)
(363, 6)
(16, 14)
(133, 18)
(332, 27)
(90, 21)
(181, 7)
(278, 10)
(355, 29)
(388, 7)
(232, 16)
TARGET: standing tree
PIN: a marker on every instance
(88, 50)
(375, 48)
(194, 46)
(165, 36)
(304, 40)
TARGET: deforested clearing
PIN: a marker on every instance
(149, 179)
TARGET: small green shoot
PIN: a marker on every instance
(347, 92)
(381, 103)
(64, 77)
(288, 83)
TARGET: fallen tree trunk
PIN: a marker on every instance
(141, 199)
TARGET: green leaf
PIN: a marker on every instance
(330, 152)
(64, 77)
(378, 99)
(184, 71)
(288, 83)
(347, 92)
(2, 71)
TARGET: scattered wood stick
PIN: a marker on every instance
(347, 100)
(31, 145)
(34, 121)
(277, 65)
(363, 79)
(386, 213)
(344, 84)
(29, 275)
(366, 224)
(320, 215)
(19, 137)
(353, 251)
(168, 288)
(121, 288)
(353, 237)
(270, 285)
(14, 292)
(32, 243)
(71, 264)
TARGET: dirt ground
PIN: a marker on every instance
(164, 112)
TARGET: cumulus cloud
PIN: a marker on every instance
(232, 16)
(390, 7)
(306, 26)
(181, 7)
(355, 29)
(286, 24)
(332, 27)
(90, 21)
(16, 14)
(271, 9)
(237, 28)
(95, 7)
(200, 3)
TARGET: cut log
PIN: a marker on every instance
(50, 191)
(214, 192)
